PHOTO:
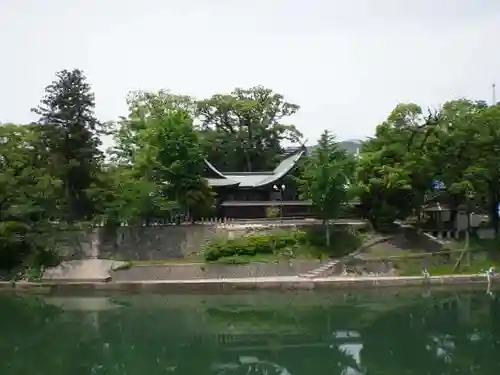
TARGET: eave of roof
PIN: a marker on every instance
(283, 168)
(213, 169)
(219, 182)
(255, 179)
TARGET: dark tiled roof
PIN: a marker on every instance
(254, 179)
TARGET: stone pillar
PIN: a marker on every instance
(95, 243)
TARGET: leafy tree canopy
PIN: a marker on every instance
(326, 178)
(244, 131)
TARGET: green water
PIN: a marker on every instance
(380, 332)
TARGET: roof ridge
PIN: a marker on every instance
(268, 177)
(266, 173)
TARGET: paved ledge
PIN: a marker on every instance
(228, 285)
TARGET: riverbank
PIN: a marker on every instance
(239, 284)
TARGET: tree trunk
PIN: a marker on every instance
(327, 232)
(468, 238)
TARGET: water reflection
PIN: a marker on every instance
(286, 334)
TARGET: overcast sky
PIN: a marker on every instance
(346, 63)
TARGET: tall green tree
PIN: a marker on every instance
(142, 106)
(326, 179)
(29, 198)
(158, 143)
(69, 131)
(395, 171)
(122, 194)
(456, 145)
(244, 130)
(171, 157)
(453, 149)
(484, 171)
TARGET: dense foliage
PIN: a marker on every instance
(29, 197)
(55, 175)
(413, 158)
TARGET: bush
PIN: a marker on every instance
(25, 246)
(243, 247)
(272, 212)
(288, 244)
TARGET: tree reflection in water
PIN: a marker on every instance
(360, 333)
(250, 365)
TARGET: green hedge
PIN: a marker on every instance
(289, 244)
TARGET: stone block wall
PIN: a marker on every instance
(76, 245)
(214, 271)
(421, 239)
(156, 243)
(152, 243)
(138, 243)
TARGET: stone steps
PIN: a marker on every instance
(318, 272)
(331, 267)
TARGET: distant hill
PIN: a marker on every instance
(351, 146)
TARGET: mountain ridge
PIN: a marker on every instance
(351, 146)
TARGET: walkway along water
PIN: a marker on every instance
(260, 283)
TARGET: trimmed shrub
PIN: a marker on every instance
(281, 243)
(243, 247)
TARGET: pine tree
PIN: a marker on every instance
(325, 179)
(69, 131)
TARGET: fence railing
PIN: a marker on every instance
(186, 220)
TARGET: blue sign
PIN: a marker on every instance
(438, 185)
(498, 209)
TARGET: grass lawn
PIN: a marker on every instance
(280, 245)
(443, 264)
(267, 258)
(383, 250)
(411, 262)
(476, 244)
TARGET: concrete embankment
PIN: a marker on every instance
(239, 284)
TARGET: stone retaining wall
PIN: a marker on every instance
(157, 243)
(197, 271)
(138, 243)
(421, 239)
(154, 243)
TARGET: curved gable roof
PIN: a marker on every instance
(213, 169)
(255, 179)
